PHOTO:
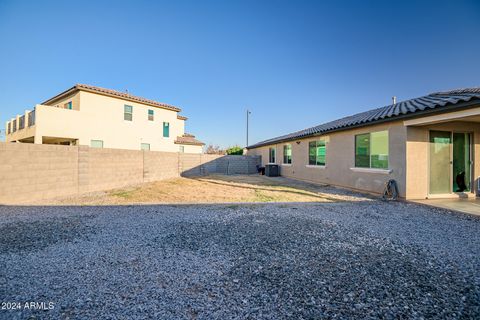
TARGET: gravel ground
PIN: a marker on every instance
(273, 261)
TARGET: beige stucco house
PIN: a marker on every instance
(103, 118)
(429, 145)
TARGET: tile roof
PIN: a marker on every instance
(188, 139)
(434, 102)
(113, 93)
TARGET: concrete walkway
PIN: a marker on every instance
(471, 206)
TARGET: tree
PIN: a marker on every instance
(211, 149)
(235, 150)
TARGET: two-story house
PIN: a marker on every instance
(103, 118)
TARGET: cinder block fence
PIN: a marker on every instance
(32, 172)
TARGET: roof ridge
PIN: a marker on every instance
(424, 103)
(458, 91)
(125, 95)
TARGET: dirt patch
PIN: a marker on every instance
(213, 189)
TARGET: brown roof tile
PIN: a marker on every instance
(112, 93)
(188, 139)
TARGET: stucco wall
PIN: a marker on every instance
(340, 159)
(99, 117)
(418, 154)
(33, 171)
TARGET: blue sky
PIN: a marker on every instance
(294, 64)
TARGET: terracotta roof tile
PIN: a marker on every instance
(188, 139)
(114, 93)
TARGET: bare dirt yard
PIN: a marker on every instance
(214, 189)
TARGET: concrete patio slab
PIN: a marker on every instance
(466, 205)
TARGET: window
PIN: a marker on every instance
(145, 146)
(166, 129)
(316, 153)
(68, 105)
(371, 150)
(271, 155)
(128, 113)
(287, 154)
(150, 115)
(96, 143)
(182, 149)
(8, 128)
(14, 124)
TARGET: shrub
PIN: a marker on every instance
(236, 150)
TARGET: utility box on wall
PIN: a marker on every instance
(272, 170)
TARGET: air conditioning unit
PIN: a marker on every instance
(478, 187)
(272, 170)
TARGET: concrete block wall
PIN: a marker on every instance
(160, 165)
(113, 168)
(37, 171)
(31, 172)
(194, 164)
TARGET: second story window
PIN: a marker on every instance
(128, 113)
(96, 144)
(166, 129)
(14, 124)
(68, 105)
(150, 115)
(8, 128)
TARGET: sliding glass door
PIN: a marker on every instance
(450, 162)
(461, 162)
(440, 162)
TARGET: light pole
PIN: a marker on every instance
(248, 112)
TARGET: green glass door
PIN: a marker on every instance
(461, 162)
(440, 162)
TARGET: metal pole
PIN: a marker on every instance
(248, 112)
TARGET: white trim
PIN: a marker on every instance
(315, 166)
(271, 163)
(372, 170)
(286, 164)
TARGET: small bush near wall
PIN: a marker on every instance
(236, 150)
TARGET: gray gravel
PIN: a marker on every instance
(275, 261)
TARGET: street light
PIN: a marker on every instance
(248, 112)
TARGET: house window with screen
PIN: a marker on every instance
(371, 150)
(96, 143)
(182, 149)
(287, 154)
(145, 146)
(166, 129)
(316, 153)
(150, 115)
(68, 105)
(271, 155)
(128, 113)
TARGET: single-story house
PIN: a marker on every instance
(429, 145)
